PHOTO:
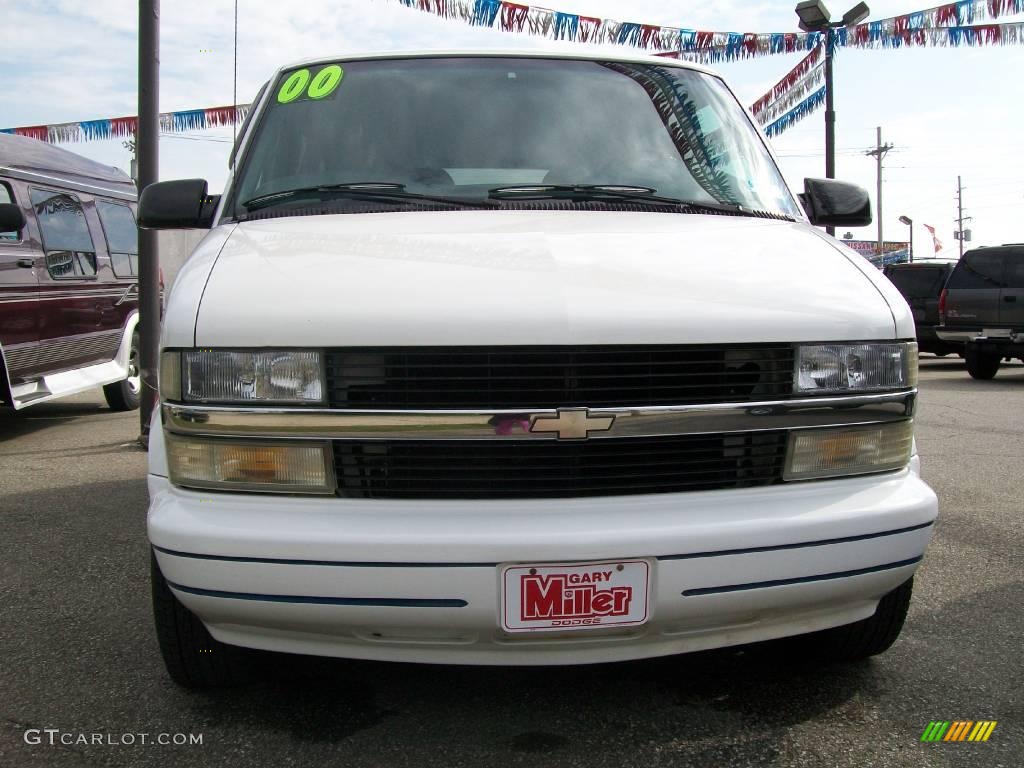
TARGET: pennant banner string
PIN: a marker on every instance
(704, 46)
(125, 127)
(707, 46)
(796, 93)
(978, 35)
(798, 113)
(872, 35)
(787, 82)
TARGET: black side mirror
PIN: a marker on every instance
(832, 203)
(180, 204)
(11, 218)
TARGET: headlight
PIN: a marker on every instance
(239, 376)
(298, 467)
(847, 368)
(818, 453)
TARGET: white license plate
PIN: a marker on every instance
(996, 333)
(570, 596)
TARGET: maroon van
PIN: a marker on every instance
(68, 277)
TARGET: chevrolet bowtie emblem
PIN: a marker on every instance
(572, 423)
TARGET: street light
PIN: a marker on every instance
(815, 17)
(910, 249)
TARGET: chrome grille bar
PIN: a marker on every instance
(641, 421)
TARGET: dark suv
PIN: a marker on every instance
(921, 285)
(982, 306)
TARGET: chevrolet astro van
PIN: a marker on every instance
(524, 359)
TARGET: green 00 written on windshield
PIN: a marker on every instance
(477, 131)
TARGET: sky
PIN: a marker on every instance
(947, 111)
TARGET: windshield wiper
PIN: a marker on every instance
(577, 192)
(362, 190)
(618, 192)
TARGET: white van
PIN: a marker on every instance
(524, 359)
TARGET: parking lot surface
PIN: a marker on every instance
(79, 654)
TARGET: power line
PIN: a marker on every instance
(1009, 204)
(195, 138)
(816, 153)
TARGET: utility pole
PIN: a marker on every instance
(961, 233)
(129, 144)
(148, 155)
(960, 214)
(878, 153)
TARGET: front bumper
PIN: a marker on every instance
(419, 581)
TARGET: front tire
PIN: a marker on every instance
(194, 659)
(124, 395)
(982, 365)
(864, 638)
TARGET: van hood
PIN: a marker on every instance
(534, 277)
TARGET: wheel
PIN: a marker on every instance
(124, 395)
(982, 365)
(192, 657)
(864, 638)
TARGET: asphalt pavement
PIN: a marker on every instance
(78, 655)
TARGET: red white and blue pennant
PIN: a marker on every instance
(713, 46)
(952, 25)
(125, 127)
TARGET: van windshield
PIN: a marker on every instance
(459, 128)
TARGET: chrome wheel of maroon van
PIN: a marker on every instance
(124, 395)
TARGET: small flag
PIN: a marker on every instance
(935, 240)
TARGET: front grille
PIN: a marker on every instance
(520, 469)
(423, 378)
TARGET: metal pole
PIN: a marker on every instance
(881, 243)
(910, 255)
(147, 152)
(234, 85)
(878, 153)
(960, 214)
(830, 112)
(830, 117)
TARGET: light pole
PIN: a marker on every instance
(147, 153)
(910, 248)
(815, 17)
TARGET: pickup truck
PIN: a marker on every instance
(982, 307)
